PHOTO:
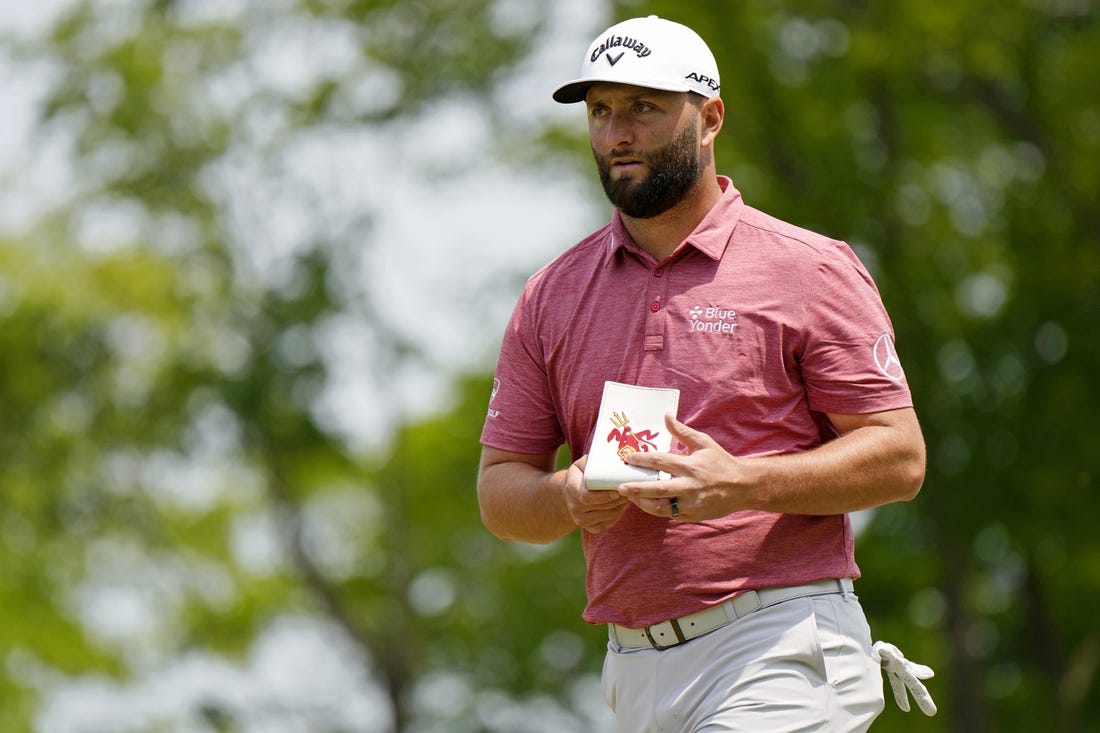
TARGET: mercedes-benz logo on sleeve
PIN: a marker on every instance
(886, 358)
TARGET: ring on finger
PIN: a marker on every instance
(674, 506)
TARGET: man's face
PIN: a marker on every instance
(646, 146)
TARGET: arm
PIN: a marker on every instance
(523, 498)
(878, 458)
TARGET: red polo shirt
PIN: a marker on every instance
(763, 327)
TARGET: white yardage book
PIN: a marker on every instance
(631, 419)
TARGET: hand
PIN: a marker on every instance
(904, 675)
(701, 478)
(593, 511)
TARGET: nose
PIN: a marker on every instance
(617, 132)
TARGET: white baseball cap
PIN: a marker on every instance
(646, 52)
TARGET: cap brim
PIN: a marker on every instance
(575, 91)
(572, 92)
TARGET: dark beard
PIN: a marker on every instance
(674, 170)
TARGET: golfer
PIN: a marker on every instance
(727, 589)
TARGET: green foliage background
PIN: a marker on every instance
(955, 145)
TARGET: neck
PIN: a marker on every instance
(660, 235)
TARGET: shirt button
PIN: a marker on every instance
(655, 306)
(659, 272)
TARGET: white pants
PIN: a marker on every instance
(800, 665)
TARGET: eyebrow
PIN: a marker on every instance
(640, 95)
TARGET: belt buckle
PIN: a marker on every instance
(673, 626)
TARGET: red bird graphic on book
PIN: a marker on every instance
(629, 440)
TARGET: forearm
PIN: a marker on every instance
(867, 467)
(878, 458)
(523, 502)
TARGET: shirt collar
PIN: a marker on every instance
(710, 237)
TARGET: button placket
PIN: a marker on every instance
(655, 319)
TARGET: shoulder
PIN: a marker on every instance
(553, 291)
(772, 243)
(789, 237)
(580, 260)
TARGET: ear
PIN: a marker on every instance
(712, 114)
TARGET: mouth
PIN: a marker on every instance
(625, 164)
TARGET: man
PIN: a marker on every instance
(727, 588)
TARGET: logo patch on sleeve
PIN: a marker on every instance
(886, 358)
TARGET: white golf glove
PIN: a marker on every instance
(903, 675)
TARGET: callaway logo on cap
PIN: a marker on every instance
(646, 52)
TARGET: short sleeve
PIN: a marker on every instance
(521, 417)
(849, 361)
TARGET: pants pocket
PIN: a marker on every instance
(854, 678)
(607, 679)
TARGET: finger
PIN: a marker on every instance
(645, 503)
(925, 702)
(602, 500)
(898, 688)
(599, 520)
(674, 464)
(574, 477)
(589, 517)
(589, 507)
(922, 698)
(665, 508)
(653, 489)
(674, 508)
(920, 671)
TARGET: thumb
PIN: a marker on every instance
(690, 437)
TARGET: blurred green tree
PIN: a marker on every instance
(174, 478)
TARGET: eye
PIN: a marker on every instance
(597, 111)
(643, 107)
